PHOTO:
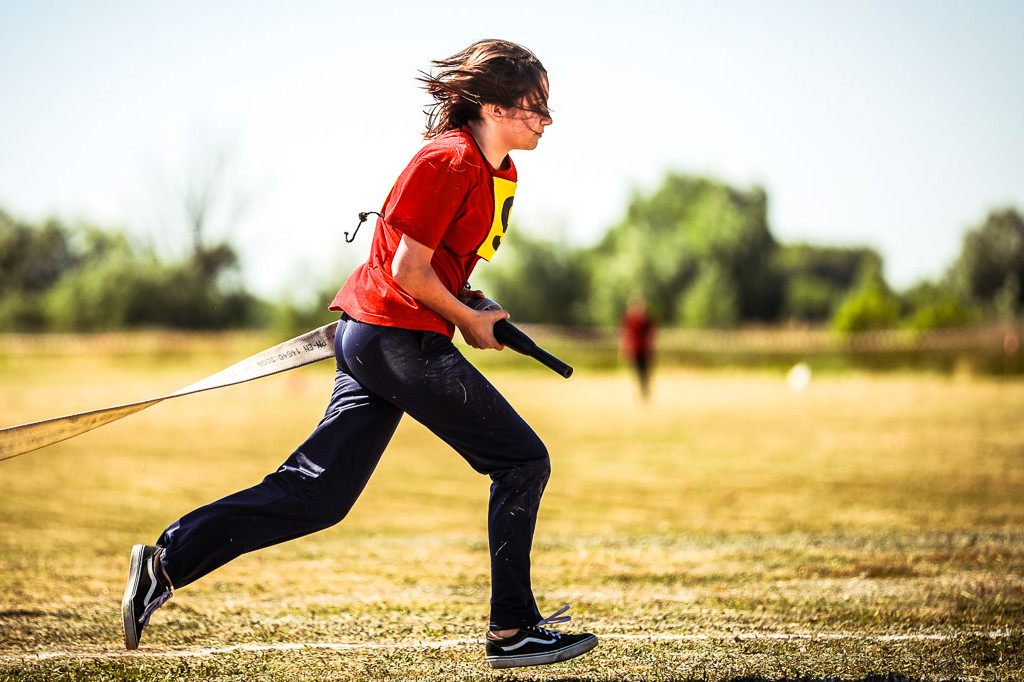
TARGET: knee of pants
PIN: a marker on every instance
(542, 469)
(540, 462)
(311, 501)
(535, 469)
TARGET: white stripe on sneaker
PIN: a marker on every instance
(152, 586)
(527, 640)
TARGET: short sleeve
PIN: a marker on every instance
(428, 195)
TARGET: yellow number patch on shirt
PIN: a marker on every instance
(504, 192)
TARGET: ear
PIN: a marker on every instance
(492, 111)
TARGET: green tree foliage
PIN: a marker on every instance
(691, 233)
(817, 278)
(937, 306)
(122, 291)
(116, 291)
(697, 250)
(32, 259)
(292, 315)
(990, 267)
(712, 302)
(82, 278)
(537, 279)
(871, 305)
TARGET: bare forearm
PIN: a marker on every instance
(424, 285)
(412, 270)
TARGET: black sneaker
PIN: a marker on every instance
(535, 645)
(147, 589)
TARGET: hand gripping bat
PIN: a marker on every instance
(510, 335)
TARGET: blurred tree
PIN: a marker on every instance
(204, 290)
(936, 306)
(816, 278)
(126, 289)
(290, 316)
(871, 305)
(712, 302)
(689, 230)
(809, 298)
(115, 291)
(537, 279)
(990, 267)
(83, 278)
(32, 258)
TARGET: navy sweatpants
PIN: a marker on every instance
(382, 373)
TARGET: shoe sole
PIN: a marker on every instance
(543, 658)
(128, 619)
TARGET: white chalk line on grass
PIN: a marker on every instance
(754, 636)
(250, 648)
(451, 643)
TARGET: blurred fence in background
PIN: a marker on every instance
(992, 350)
(987, 350)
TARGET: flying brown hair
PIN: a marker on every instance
(487, 72)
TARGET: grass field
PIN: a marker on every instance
(869, 527)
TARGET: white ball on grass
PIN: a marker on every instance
(799, 377)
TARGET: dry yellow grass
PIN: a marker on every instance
(730, 528)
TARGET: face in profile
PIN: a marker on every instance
(523, 125)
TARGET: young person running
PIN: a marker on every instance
(448, 209)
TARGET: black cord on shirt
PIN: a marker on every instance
(363, 215)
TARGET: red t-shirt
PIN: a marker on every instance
(448, 198)
(637, 333)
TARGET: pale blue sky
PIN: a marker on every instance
(896, 124)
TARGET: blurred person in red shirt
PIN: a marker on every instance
(638, 328)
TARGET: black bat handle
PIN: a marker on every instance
(507, 334)
(551, 362)
(510, 335)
